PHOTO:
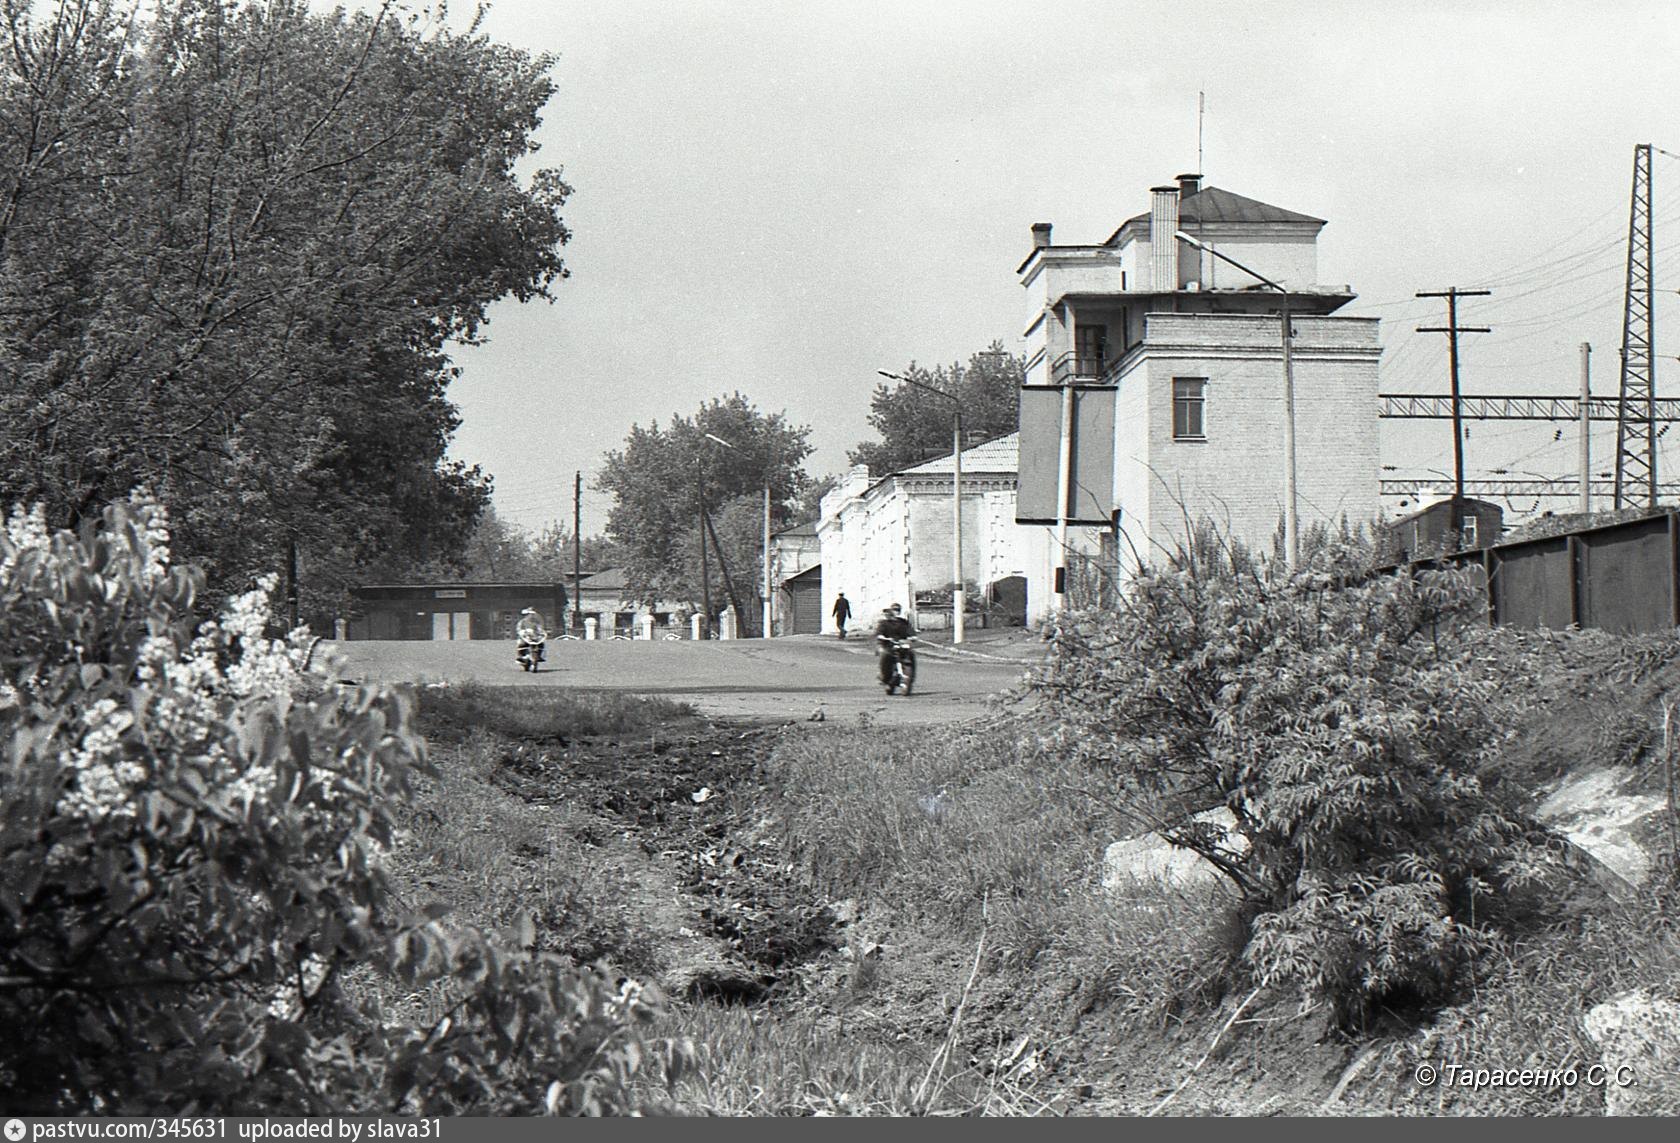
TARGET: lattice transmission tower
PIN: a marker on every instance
(1636, 436)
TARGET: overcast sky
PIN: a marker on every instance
(782, 198)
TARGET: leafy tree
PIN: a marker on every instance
(662, 477)
(497, 550)
(1341, 721)
(235, 241)
(552, 551)
(809, 505)
(916, 425)
(191, 823)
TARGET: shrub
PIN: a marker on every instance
(1340, 719)
(190, 840)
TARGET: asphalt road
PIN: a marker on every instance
(775, 680)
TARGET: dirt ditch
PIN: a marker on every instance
(674, 813)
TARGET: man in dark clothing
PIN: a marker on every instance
(842, 612)
(892, 626)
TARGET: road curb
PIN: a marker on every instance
(938, 649)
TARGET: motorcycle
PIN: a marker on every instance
(903, 670)
(529, 647)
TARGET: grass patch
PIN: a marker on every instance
(450, 712)
(945, 823)
(755, 1064)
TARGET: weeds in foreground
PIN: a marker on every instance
(492, 858)
(753, 1062)
(450, 712)
(949, 825)
(1528, 1012)
(937, 823)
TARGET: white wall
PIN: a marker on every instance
(1236, 475)
(881, 547)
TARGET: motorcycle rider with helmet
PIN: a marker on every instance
(529, 637)
(891, 628)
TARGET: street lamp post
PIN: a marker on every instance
(705, 571)
(764, 570)
(1291, 521)
(959, 600)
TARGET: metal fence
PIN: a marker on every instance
(1621, 577)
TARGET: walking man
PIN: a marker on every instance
(842, 612)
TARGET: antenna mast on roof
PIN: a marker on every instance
(1201, 112)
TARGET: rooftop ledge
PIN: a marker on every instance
(1235, 292)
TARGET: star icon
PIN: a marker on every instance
(15, 1130)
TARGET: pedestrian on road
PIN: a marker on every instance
(842, 612)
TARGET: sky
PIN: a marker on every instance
(782, 198)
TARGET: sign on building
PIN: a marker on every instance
(1092, 461)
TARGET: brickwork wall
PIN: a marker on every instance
(1235, 476)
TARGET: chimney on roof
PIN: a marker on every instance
(1189, 185)
(1041, 235)
(1163, 246)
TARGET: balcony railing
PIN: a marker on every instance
(1079, 367)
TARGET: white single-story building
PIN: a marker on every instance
(889, 540)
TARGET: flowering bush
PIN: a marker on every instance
(1339, 718)
(190, 830)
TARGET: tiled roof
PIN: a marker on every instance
(1000, 455)
(809, 528)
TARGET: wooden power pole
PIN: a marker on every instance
(1452, 329)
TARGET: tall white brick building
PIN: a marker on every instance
(1189, 350)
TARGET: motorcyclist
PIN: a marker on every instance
(892, 626)
(530, 630)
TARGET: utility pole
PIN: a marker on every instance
(765, 602)
(577, 550)
(723, 566)
(1586, 428)
(1636, 436)
(959, 603)
(1452, 329)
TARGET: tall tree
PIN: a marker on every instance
(662, 478)
(916, 425)
(236, 239)
(498, 550)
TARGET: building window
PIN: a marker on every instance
(1189, 409)
(1467, 533)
